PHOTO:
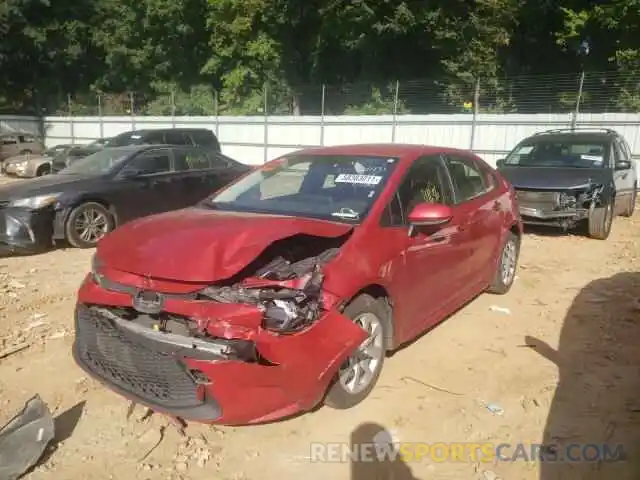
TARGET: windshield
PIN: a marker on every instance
(332, 187)
(96, 163)
(564, 153)
(124, 139)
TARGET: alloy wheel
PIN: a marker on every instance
(91, 225)
(508, 262)
(362, 366)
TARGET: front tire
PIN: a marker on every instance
(359, 374)
(507, 265)
(87, 224)
(600, 221)
(43, 170)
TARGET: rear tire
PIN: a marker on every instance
(600, 221)
(631, 206)
(507, 265)
(364, 310)
(87, 224)
(43, 170)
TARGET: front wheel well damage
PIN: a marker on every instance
(378, 292)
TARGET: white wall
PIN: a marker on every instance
(244, 138)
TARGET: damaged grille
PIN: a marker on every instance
(121, 359)
(537, 197)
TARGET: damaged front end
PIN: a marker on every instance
(564, 209)
(260, 346)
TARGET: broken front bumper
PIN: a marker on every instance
(25, 231)
(539, 215)
(212, 380)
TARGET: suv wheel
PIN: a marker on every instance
(631, 206)
(600, 221)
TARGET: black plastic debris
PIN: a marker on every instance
(24, 439)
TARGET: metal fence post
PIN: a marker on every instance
(266, 123)
(71, 123)
(476, 110)
(132, 107)
(576, 112)
(100, 120)
(324, 93)
(173, 109)
(395, 112)
(216, 106)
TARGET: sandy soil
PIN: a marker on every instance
(574, 303)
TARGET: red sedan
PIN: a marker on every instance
(288, 287)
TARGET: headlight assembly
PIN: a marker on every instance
(36, 202)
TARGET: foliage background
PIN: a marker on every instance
(235, 57)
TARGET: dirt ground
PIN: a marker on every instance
(562, 363)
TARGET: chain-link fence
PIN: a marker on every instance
(587, 92)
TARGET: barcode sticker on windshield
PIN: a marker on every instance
(593, 158)
(358, 179)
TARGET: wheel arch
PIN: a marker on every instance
(378, 292)
(62, 215)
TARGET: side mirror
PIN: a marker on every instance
(623, 165)
(430, 214)
(500, 163)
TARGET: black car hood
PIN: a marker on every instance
(552, 178)
(48, 184)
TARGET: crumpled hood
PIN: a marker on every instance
(200, 245)
(548, 178)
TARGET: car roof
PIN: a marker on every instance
(380, 149)
(177, 129)
(569, 135)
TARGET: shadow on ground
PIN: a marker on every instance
(383, 462)
(592, 431)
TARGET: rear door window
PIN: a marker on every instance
(469, 179)
(173, 137)
(191, 159)
(205, 138)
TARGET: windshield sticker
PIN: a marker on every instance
(593, 158)
(346, 213)
(358, 179)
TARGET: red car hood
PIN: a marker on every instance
(198, 245)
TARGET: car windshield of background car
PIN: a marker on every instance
(564, 154)
(124, 139)
(331, 187)
(96, 163)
